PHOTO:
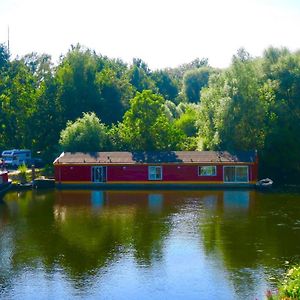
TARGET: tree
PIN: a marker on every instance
(193, 82)
(187, 122)
(281, 151)
(114, 95)
(4, 57)
(232, 114)
(86, 134)
(139, 76)
(146, 127)
(77, 91)
(166, 86)
(18, 104)
(40, 66)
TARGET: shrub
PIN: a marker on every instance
(290, 287)
(23, 173)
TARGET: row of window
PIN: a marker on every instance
(231, 173)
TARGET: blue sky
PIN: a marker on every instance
(164, 33)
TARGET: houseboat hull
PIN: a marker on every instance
(156, 185)
(4, 187)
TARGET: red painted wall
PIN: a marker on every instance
(170, 173)
(140, 173)
(4, 177)
(72, 173)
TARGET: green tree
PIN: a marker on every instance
(232, 114)
(4, 57)
(18, 104)
(114, 93)
(40, 66)
(282, 91)
(139, 76)
(188, 121)
(86, 134)
(166, 86)
(146, 126)
(193, 82)
(77, 91)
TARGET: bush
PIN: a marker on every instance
(289, 289)
(48, 170)
(23, 173)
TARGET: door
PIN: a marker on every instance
(99, 174)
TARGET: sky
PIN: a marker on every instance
(164, 33)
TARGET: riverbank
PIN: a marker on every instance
(32, 178)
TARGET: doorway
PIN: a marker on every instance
(99, 174)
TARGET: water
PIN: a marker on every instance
(146, 244)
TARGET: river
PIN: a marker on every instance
(83, 244)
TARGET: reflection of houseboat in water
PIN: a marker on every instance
(154, 200)
(157, 169)
(5, 183)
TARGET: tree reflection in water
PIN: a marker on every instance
(83, 235)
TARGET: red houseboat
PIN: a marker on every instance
(5, 183)
(156, 169)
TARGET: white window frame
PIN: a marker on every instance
(235, 167)
(212, 175)
(151, 172)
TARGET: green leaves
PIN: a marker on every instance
(146, 126)
(86, 134)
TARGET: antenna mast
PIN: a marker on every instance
(8, 38)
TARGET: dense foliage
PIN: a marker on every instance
(252, 104)
(86, 134)
(289, 288)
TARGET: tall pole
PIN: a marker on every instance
(8, 38)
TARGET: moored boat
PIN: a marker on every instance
(160, 169)
(5, 183)
(265, 183)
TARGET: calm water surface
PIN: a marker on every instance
(146, 244)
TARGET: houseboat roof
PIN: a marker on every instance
(155, 157)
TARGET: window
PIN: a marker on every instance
(207, 171)
(155, 173)
(236, 174)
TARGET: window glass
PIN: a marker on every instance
(241, 174)
(207, 171)
(236, 174)
(155, 173)
(229, 174)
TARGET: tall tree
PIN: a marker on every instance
(86, 134)
(139, 76)
(232, 115)
(4, 57)
(77, 91)
(282, 91)
(193, 82)
(18, 101)
(114, 93)
(166, 86)
(146, 127)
